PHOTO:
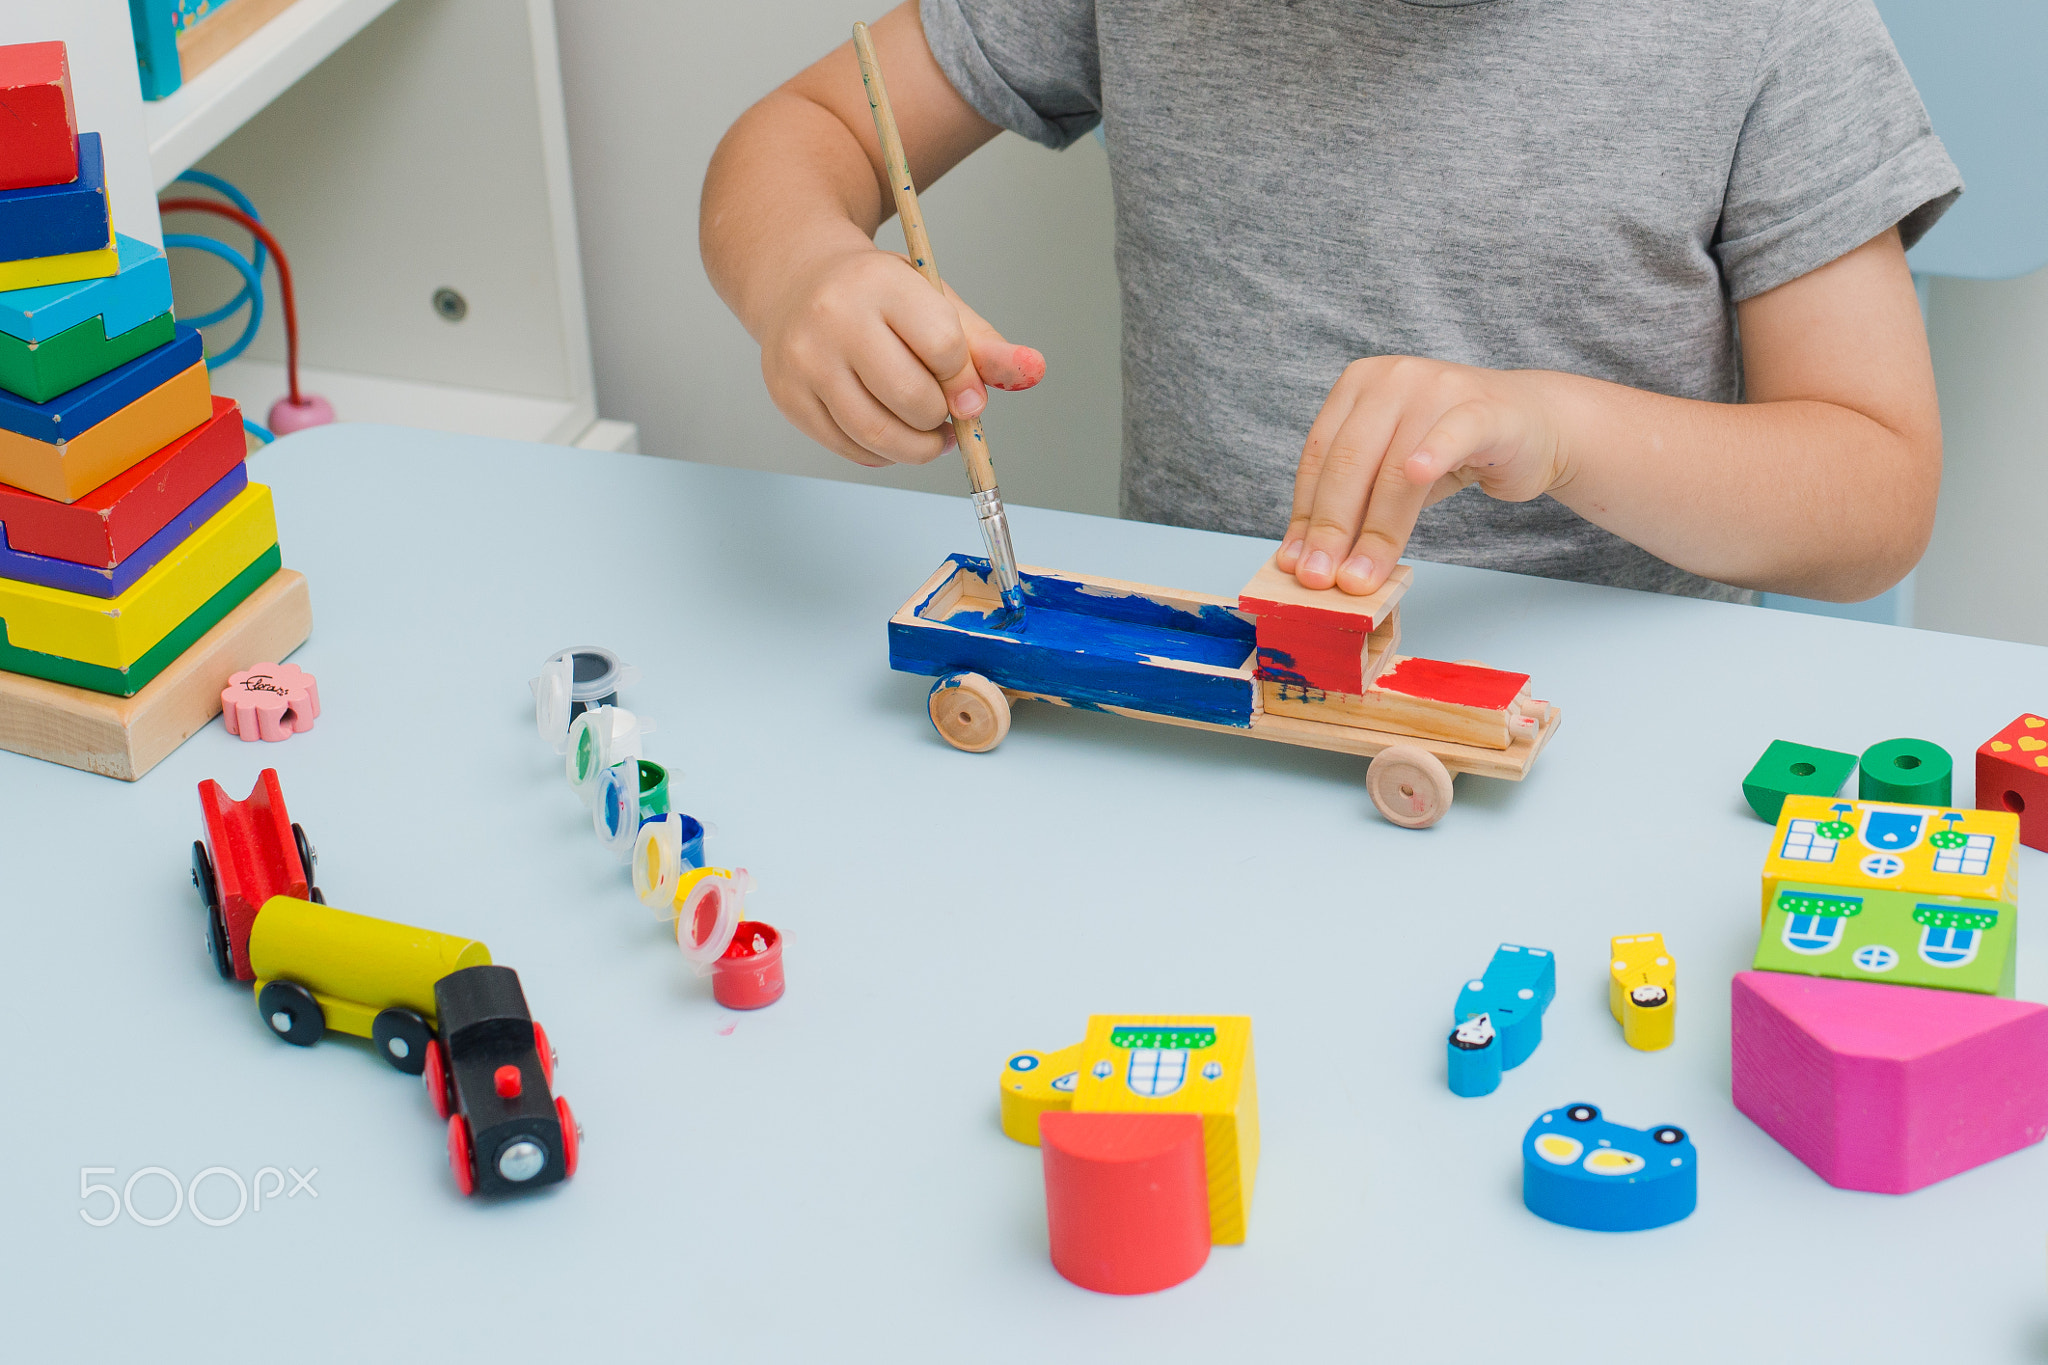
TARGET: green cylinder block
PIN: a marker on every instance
(1911, 772)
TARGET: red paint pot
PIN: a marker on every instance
(748, 974)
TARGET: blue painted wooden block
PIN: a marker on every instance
(1094, 643)
(71, 413)
(57, 220)
(98, 581)
(1584, 1172)
(1518, 987)
(1472, 1058)
(138, 291)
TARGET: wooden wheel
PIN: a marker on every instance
(970, 712)
(1410, 786)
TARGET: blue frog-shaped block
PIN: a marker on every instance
(1584, 1172)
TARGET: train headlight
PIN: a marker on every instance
(522, 1160)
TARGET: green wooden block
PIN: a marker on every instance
(1896, 937)
(1789, 769)
(42, 370)
(1911, 772)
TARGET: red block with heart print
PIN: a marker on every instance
(2012, 774)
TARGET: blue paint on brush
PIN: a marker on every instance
(1089, 646)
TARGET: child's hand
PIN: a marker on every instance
(868, 360)
(1398, 433)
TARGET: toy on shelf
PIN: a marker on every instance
(1788, 769)
(139, 568)
(2012, 775)
(252, 852)
(1036, 1083)
(1583, 1171)
(1279, 662)
(1498, 1019)
(491, 1073)
(1642, 990)
(270, 702)
(1149, 1130)
(572, 681)
(1910, 772)
(320, 969)
(1912, 895)
(1887, 1088)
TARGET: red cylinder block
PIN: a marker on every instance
(748, 974)
(1126, 1199)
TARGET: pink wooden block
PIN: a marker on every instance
(1888, 1088)
(270, 701)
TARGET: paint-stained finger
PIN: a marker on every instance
(1350, 468)
(874, 428)
(998, 360)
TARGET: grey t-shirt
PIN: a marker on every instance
(1579, 185)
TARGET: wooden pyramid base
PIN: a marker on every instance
(125, 737)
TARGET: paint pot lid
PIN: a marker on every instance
(658, 864)
(599, 739)
(710, 903)
(551, 698)
(616, 811)
(594, 672)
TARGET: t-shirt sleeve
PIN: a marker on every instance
(1836, 148)
(1027, 65)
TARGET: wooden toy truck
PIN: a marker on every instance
(1280, 662)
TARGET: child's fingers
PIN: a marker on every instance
(875, 429)
(1349, 470)
(932, 331)
(999, 361)
(1308, 472)
(1462, 443)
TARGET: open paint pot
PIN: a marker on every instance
(571, 682)
(601, 739)
(628, 796)
(665, 848)
(742, 957)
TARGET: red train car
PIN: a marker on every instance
(252, 851)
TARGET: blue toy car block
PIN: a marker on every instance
(1518, 987)
(138, 290)
(70, 414)
(1584, 1172)
(58, 220)
(1472, 1058)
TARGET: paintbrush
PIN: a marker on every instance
(981, 471)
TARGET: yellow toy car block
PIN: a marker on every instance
(114, 632)
(1642, 990)
(1034, 1082)
(1184, 1064)
(356, 968)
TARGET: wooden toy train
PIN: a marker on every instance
(433, 1004)
(1279, 662)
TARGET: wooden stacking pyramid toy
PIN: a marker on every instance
(139, 567)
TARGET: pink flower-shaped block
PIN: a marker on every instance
(270, 701)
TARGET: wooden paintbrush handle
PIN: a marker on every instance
(981, 472)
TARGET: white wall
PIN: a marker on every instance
(1023, 233)
(1987, 571)
(106, 94)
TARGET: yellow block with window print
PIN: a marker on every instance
(1907, 895)
(1184, 1064)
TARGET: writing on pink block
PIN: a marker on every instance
(270, 701)
(1887, 1088)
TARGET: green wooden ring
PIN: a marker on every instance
(1911, 772)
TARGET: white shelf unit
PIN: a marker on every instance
(397, 148)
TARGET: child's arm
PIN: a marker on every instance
(1821, 483)
(859, 352)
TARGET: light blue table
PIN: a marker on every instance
(825, 1180)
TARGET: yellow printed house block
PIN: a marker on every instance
(1909, 895)
(1034, 1082)
(1183, 1064)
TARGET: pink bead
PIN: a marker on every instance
(270, 701)
(311, 410)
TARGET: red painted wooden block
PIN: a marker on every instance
(1887, 1088)
(1316, 637)
(254, 856)
(1126, 1198)
(2012, 774)
(111, 522)
(38, 130)
(1489, 689)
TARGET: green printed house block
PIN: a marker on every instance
(1789, 769)
(1890, 936)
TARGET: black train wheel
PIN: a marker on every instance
(216, 929)
(401, 1038)
(291, 1012)
(307, 857)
